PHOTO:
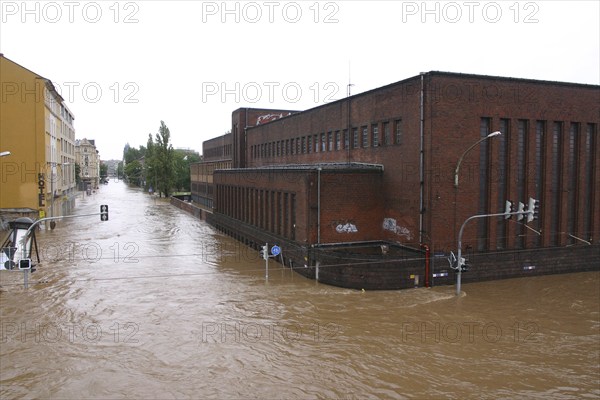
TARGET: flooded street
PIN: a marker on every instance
(156, 304)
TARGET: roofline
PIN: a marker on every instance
(48, 82)
(507, 78)
(263, 109)
(439, 73)
(327, 167)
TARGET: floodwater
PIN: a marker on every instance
(155, 304)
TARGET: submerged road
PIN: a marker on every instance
(155, 304)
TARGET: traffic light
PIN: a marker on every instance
(521, 210)
(533, 209)
(104, 212)
(264, 252)
(452, 260)
(508, 209)
(464, 264)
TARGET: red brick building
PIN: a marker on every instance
(227, 151)
(377, 171)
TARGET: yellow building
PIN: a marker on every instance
(37, 178)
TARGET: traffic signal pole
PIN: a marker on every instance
(103, 217)
(459, 261)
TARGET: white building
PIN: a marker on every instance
(88, 159)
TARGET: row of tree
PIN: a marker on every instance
(157, 166)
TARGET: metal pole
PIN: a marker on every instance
(459, 252)
(491, 135)
(25, 278)
(266, 260)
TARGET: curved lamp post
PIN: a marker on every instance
(491, 135)
(459, 271)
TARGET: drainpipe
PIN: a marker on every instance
(319, 205)
(427, 258)
(421, 160)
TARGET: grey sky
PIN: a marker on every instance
(125, 66)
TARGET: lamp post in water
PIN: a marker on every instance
(456, 170)
(491, 135)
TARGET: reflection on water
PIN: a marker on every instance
(156, 304)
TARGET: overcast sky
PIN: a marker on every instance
(124, 66)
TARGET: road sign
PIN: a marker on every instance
(275, 250)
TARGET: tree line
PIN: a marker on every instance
(157, 167)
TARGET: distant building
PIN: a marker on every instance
(218, 153)
(37, 128)
(345, 185)
(112, 167)
(89, 163)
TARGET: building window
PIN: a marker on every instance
(330, 141)
(309, 144)
(364, 137)
(502, 180)
(572, 187)
(386, 134)
(355, 138)
(338, 143)
(555, 182)
(540, 171)
(398, 131)
(375, 135)
(590, 147)
(316, 142)
(303, 144)
(323, 143)
(482, 234)
(522, 139)
(293, 216)
(346, 139)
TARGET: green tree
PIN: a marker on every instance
(150, 164)
(133, 172)
(183, 159)
(164, 160)
(77, 174)
(135, 158)
(103, 171)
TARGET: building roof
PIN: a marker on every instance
(438, 73)
(344, 167)
(48, 82)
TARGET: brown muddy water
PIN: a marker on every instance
(156, 304)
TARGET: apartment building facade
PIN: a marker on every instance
(37, 128)
(88, 158)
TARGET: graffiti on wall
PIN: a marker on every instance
(345, 227)
(390, 224)
(263, 119)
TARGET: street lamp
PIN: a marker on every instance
(459, 260)
(491, 135)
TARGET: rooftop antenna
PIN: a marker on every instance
(350, 84)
